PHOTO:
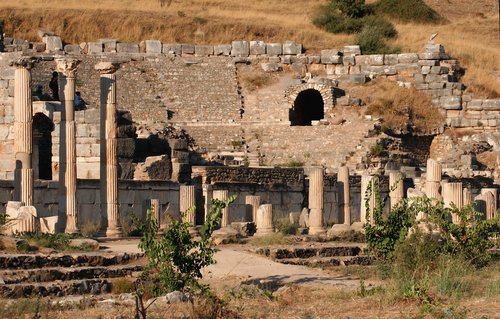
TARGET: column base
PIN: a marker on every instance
(317, 230)
(113, 232)
(264, 232)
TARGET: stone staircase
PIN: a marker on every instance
(319, 256)
(25, 275)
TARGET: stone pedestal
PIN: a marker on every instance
(316, 189)
(23, 130)
(433, 180)
(67, 147)
(344, 194)
(264, 220)
(453, 195)
(187, 202)
(109, 159)
(490, 196)
(253, 202)
(367, 197)
(223, 195)
(396, 188)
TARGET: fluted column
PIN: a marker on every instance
(316, 189)
(396, 188)
(207, 197)
(367, 180)
(67, 156)
(223, 195)
(23, 128)
(264, 220)
(452, 194)
(433, 180)
(155, 210)
(109, 178)
(253, 202)
(466, 197)
(491, 201)
(344, 194)
(187, 201)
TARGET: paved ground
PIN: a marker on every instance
(235, 265)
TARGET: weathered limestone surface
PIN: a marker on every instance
(344, 194)
(453, 196)
(264, 220)
(316, 198)
(187, 203)
(490, 196)
(253, 203)
(223, 195)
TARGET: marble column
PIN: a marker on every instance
(109, 158)
(344, 194)
(67, 156)
(316, 193)
(223, 195)
(264, 220)
(253, 202)
(155, 210)
(23, 128)
(396, 188)
(413, 194)
(453, 194)
(491, 201)
(187, 202)
(367, 180)
(433, 180)
(208, 191)
(466, 197)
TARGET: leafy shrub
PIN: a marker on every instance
(175, 259)
(381, 25)
(335, 23)
(377, 150)
(122, 285)
(285, 227)
(408, 10)
(59, 241)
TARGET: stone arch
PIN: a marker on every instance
(309, 102)
(42, 146)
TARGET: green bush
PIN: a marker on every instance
(285, 227)
(371, 41)
(381, 25)
(408, 10)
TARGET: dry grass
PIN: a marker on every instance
(471, 34)
(401, 108)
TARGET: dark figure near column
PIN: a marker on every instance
(79, 102)
(54, 86)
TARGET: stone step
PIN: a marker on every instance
(56, 288)
(33, 261)
(329, 261)
(52, 274)
(308, 252)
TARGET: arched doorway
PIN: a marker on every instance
(42, 148)
(307, 107)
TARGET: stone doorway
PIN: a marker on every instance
(42, 146)
(307, 107)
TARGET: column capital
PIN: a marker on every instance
(26, 62)
(107, 67)
(67, 66)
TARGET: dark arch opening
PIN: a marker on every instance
(43, 127)
(308, 106)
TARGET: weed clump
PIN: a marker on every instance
(408, 11)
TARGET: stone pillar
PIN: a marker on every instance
(67, 155)
(411, 194)
(35, 156)
(316, 189)
(466, 197)
(491, 201)
(433, 180)
(365, 181)
(23, 128)
(155, 210)
(344, 194)
(453, 194)
(223, 195)
(396, 188)
(264, 220)
(109, 159)
(187, 202)
(254, 203)
(480, 204)
(207, 196)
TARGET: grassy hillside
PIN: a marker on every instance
(471, 33)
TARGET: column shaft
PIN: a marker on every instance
(223, 195)
(452, 194)
(316, 190)
(253, 202)
(264, 220)
(396, 188)
(344, 194)
(367, 180)
(187, 202)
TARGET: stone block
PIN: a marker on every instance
(109, 44)
(187, 48)
(408, 58)
(436, 85)
(341, 69)
(92, 116)
(71, 49)
(95, 47)
(257, 48)
(348, 60)
(439, 70)
(422, 86)
(375, 59)
(270, 67)
(419, 78)
(172, 48)
(433, 78)
(153, 46)
(203, 50)
(240, 48)
(274, 49)
(292, 48)
(127, 48)
(426, 69)
(451, 103)
(39, 46)
(352, 50)
(331, 56)
(391, 59)
(222, 49)
(491, 105)
(53, 43)
(286, 59)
